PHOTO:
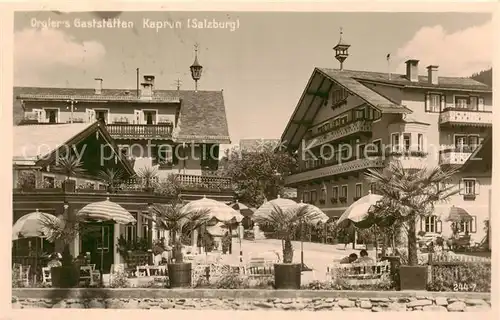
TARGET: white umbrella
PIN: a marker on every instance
(216, 210)
(360, 210)
(268, 207)
(105, 211)
(32, 225)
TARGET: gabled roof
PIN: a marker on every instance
(453, 83)
(202, 114)
(34, 144)
(357, 88)
(481, 159)
(316, 92)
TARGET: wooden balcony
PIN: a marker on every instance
(188, 182)
(344, 131)
(140, 131)
(464, 117)
(455, 156)
(335, 169)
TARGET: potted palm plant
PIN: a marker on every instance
(70, 166)
(148, 176)
(406, 196)
(111, 177)
(287, 275)
(171, 217)
(64, 229)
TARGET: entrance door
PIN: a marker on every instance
(92, 241)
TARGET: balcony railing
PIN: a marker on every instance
(334, 169)
(465, 117)
(187, 182)
(455, 156)
(343, 131)
(140, 131)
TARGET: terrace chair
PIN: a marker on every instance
(95, 274)
(24, 272)
(46, 276)
(86, 275)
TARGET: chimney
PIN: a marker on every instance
(150, 79)
(146, 91)
(412, 70)
(432, 74)
(98, 85)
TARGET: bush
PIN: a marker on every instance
(340, 283)
(229, 281)
(119, 280)
(473, 277)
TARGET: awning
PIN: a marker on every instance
(455, 214)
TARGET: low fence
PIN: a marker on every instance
(459, 273)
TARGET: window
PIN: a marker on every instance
(432, 224)
(359, 190)
(361, 151)
(102, 115)
(165, 154)
(343, 193)
(338, 94)
(420, 142)
(305, 196)
(51, 115)
(468, 226)
(395, 141)
(473, 142)
(49, 182)
(335, 193)
(377, 145)
(406, 141)
(433, 102)
(359, 114)
(131, 232)
(373, 188)
(150, 117)
(480, 104)
(469, 186)
(473, 103)
(145, 227)
(460, 142)
(370, 113)
(125, 151)
(461, 102)
(314, 196)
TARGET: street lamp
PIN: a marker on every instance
(72, 108)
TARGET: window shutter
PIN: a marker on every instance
(439, 226)
(154, 155)
(443, 102)
(480, 104)
(476, 188)
(427, 102)
(460, 187)
(421, 223)
(473, 225)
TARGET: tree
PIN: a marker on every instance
(69, 166)
(408, 195)
(258, 174)
(285, 223)
(171, 217)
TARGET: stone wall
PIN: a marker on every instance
(250, 300)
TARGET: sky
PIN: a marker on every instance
(262, 65)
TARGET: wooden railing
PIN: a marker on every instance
(137, 131)
(466, 116)
(187, 182)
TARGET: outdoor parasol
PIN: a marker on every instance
(105, 211)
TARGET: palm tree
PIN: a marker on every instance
(148, 176)
(69, 165)
(111, 177)
(408, 195)
(285, 223)
(171, 217)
